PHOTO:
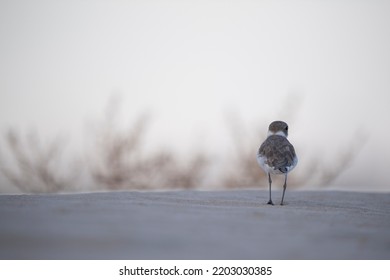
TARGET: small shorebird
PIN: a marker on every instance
(276, 155)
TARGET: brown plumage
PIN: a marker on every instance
(278, 152)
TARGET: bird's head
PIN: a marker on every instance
(278, 128)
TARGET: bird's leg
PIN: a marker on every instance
(284, 187)
(270, 182)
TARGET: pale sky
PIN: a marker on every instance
(190, 63)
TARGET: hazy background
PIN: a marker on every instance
(194, 66)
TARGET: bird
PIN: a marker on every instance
(276, 154)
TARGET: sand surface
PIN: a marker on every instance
(195, 225)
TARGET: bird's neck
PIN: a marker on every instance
(280, 133)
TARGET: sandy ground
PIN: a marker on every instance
(195, 225)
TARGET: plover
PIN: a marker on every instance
(276, 155)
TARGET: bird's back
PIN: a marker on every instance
(277, 154)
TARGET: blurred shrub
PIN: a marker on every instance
(118, 160)
(37, 167)
(244, 171)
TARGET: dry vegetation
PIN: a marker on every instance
(116, 160)
(37, 167)
(245, 171)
